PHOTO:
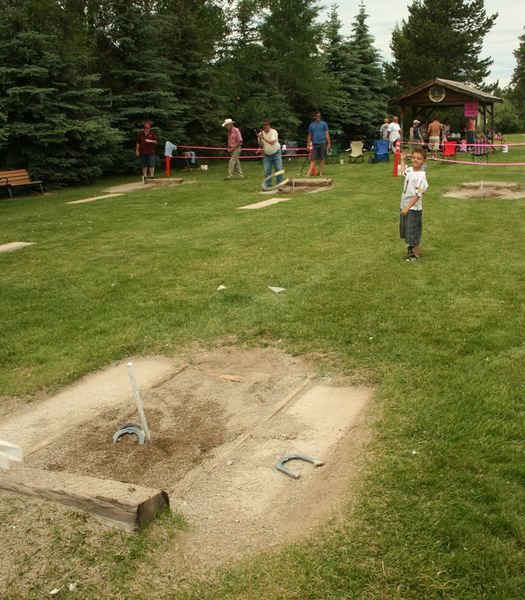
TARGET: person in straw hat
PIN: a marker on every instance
(234, 148)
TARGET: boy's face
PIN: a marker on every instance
(417, 160)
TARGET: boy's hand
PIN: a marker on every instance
(404, 211)
(404, 154)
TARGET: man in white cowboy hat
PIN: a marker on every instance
(234, 148)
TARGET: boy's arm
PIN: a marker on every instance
(403, 156)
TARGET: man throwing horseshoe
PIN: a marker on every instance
(272, 159)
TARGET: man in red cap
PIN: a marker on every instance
(145, 150)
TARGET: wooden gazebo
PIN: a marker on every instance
(437, 94)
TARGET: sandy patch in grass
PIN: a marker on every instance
(137, 186)
(219, 421)
(488, 190)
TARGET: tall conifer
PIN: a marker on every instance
(441, 38)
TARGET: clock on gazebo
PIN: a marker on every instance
(436, 93)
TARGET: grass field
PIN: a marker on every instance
(439, 510)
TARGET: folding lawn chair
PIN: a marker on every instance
(191, 160)
(481, 149)
(289, 150)
(449, 150)
(356, 152)
(381, 152)
(333, 155)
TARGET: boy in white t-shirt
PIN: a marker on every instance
(411, 217)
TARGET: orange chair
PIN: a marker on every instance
(449, 150)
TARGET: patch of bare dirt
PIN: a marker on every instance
(219, 420)
(488, 190)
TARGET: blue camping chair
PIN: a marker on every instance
(381, 151)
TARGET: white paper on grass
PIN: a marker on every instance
(221, 287)
(9, 452)
(277, 290)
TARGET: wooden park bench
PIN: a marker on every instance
(17, 178)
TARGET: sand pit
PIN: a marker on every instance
(150, 185)
(488, 190)
(10, 246)
(309, 185)
(219, 421)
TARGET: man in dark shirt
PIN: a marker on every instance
(145, 150)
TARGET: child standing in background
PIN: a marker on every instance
(411, 217)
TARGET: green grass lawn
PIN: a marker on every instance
(439, 511)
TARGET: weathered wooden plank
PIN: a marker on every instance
(124, 505)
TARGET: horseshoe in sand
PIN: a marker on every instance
(132, 429)
(280, 463)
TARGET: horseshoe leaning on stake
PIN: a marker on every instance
(130, 428)
(280, 463)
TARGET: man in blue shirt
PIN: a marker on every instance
(318, 143)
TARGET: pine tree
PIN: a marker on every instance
(441, 38)
(191, 34)
(291, 37)
(132, 65)
(342, 66)
(52, 123)
(369, 98)
(517, 85)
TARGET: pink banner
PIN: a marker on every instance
(471, 109)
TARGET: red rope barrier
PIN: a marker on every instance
(482, 164)
(198, 157)
(221, 148)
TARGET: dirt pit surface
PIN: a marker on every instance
(488, 190)
(219, 422)
(149, 185)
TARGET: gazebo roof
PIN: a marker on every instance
(455, 94)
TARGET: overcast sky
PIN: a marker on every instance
(499, 43)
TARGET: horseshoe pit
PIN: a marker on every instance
(488, 190)
(219, 422)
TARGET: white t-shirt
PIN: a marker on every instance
(394, 129)
(415, 185)
(271, 136)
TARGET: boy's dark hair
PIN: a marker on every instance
(420, 151)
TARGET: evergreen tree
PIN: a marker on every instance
(52, 124)
(441, 38)
(295, 73)
(191, 35)
(369, 98)
(342, 66)
(137, 74)
(517, 85)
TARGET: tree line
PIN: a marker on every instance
(78, 78)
